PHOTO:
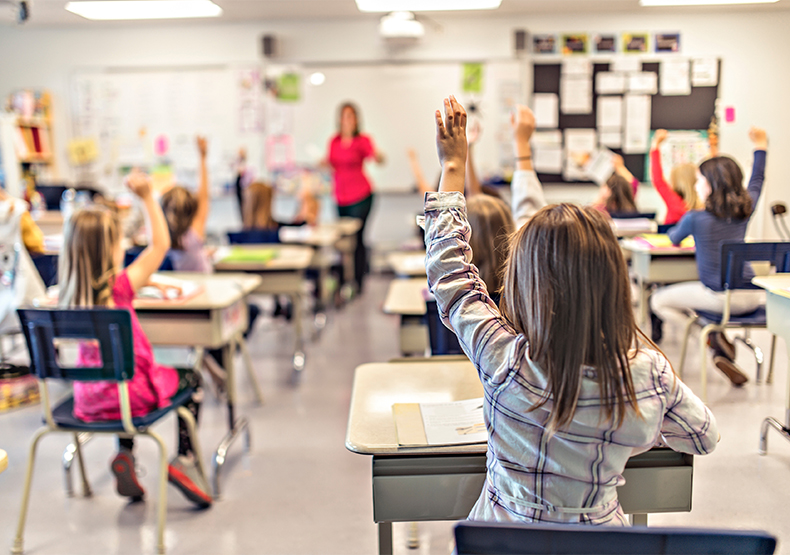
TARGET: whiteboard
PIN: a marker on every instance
(397, 104)
(127, 110)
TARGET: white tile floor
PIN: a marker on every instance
(300, 491)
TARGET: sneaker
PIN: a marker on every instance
(126, 483)
(183, 473)
(721, 345)
(731, 370)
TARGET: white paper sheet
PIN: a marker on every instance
(454, 423)
(607, 82)
(675, 78)
(609, 114)
(547, 158)
(611, 139)
(546, 109)
(600, 167)
(579, 147)
(644, 82)
(576, 94)
(704, 72)
(550, 138)
(576, 66)
(626, 64)
(636, 135)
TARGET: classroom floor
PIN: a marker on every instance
(302, 492)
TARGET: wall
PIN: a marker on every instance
(755, 77)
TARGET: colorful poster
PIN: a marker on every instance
(667, 43)
(289, 87)
(576, 43)
(544, 44)
(250, 90)
(635, 43)
(472, 78)
(605, 43)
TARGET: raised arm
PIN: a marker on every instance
(622, 171)
(151, 258)
(760, 141)
(199, 223)
(526, 192)
(473, 186)
(672, 199)
(416, 170)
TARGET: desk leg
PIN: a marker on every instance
(245, 354)
(299, 355)
(638, 519)
(237, 426)
(773, 422)
(385, 538)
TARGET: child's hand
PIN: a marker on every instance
(659, 137)
(617, 162)
(759, 138)
(451, 134)
(202, 145)
(139, 183)
(522, 120)
(473, 132)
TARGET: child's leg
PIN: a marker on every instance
(253, 311)
(188, 378)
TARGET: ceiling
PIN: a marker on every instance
(52, 12)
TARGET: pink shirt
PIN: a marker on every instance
(151, 387)
(351, 183)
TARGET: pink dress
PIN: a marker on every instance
(351, 183)
(151, 387)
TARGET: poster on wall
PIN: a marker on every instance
(250, 92)
(544, 44)
(635, 43)
(667, 43)
(472, 78)
(289, 87)
(682, 147)
(576, 43)
(605, 43)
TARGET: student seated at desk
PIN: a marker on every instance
(571, 390)
(728, 208)
(91, 275)
(679, 194)
(617, 195)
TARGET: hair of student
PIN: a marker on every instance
(492, 224)
(179, 207)
(621, 199)
(87, 260)
(566, 289)
(353, 107)
(727, 199)
(258, 206)
(683, 178)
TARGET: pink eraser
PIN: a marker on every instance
(729, 114)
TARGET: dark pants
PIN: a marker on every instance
(361, 211)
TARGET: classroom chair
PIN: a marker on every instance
(443, 340)
(736, 274)
(46, 333)
(132, 253)
(478, 538)
(254, 236)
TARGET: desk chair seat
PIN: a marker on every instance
(736, 274)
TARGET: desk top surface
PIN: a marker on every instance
(407, 263)
(218, 291)
(377, 386)
(288, 258)
(778, 284)
(405, 296)
(640, 247)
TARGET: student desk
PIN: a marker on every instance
(658, 266)
(405, 298)
(214, 318)
(443, 483)
(407, 264)
(3, 460)
(777, 308)
(282, 275)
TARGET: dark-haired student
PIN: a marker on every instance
(727, 210)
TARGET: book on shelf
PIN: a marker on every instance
(451, 423)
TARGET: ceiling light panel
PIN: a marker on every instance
(425, 5)
(144, 9)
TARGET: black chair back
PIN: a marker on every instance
(134, 252)
(736, 274)
(254, 236)
(111, 328)
(478, 538)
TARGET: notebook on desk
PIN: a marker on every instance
(240, 254)
(451, 423)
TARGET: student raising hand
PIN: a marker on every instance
(451, 145)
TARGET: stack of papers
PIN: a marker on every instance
(168, 288)
(454, 423)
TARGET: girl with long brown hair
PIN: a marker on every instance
(571, 390)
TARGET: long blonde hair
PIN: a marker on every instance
(492, 224)
(87, 266)
(258, 207)
(179, 206)
(566, 289)
(683, 178)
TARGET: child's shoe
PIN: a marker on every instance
(183, 473)
(731, 370)
(126, 483)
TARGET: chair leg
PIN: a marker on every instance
(245, 354)
(19, 541)
(686, 333)
(67, 462)
(703, 349)
(184, 413)
(770, 378)
(756, 351)
(86, 487)
(162, 501)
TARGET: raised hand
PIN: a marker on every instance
(139, 183)
(473, 132)
(758, 136)
(617, 161)
(451, 145)
(660, 136)
(202, 145)
(522, 120)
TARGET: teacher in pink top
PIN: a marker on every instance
(348, 151)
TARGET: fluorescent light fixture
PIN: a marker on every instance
(317, 78)
(701, 2)
(425, 5)
(144, 9)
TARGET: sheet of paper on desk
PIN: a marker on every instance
(295, 234)
(662, 241)
(675, 78)
(546, 109)
(454, 423)
(171, 288)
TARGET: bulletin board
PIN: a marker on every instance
(687, 112)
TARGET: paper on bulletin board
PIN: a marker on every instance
(546, 109)
(547, 151)
(675, 78)
(575, 94)
(644, 82)
(473, 78)
(611, 139)
(625, 64)
(609, 113)
(609, 82)
(576, 66)
(704, 72)
(580, 144)
(636, 137)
